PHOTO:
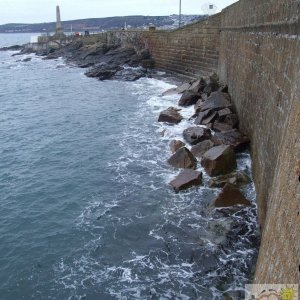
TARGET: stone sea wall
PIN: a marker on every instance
(192, 50)
(255, 47)
(260, 62)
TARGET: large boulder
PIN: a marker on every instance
(216, 101)
(103, 71)
(188, 98)
(175, 145)
(237, 178)
(197, 86)
(206, 117)
(230, 196)
(195, 135)
(202, 147)
(219, 160)
(186, 179)
(220, 127)
(182, 88)
(223, 113)
(170, 115)
(234, 138)
(183, 158)
(169, 92)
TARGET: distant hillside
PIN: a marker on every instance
(100, 24)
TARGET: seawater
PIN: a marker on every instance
(85, 207)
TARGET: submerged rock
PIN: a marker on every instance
(237, 178)
(230, 196)
(186, 179)
(175, 145)
(26, 59)
(170, 115)
(183, 158)
(219, 160)
(195, 135)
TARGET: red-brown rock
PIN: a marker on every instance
(170, 115)
(186, 179)
(230, 196)
(199, 149)
(183, 158)
(234, 138)
(195, 135)
(219, 160)
(175, 145)
(216, 101)
(220, 127)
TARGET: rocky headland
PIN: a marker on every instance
(102, 61)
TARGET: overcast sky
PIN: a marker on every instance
(37, 11)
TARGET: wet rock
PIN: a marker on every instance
(183, 158)
(220, 127)
(86, 65)
(195, 135)
(199, 149)
(186, 179)
(130, 74)
(170, 115)
(219, 160)
(169, 92)
(237, 179)
(12, 48)
(216, 101)
(230, 196)
(26, 59)
(103, 71)
(188, 98)
(182, 88)
(234, 138)
(175, 145)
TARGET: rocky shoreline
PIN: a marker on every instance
(213, 142)
(103, 61)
